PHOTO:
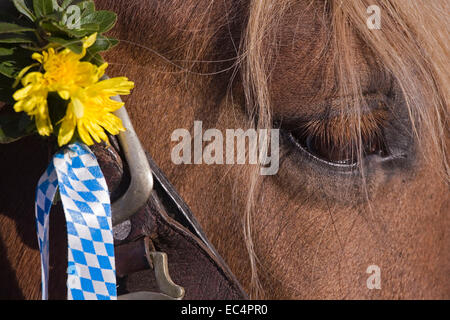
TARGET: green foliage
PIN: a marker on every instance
(27, 26)
(6, 27)
(24, 8)
(42, 8)
(15, 126)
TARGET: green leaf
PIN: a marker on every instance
(52, 27)
(87, 7)
(85, 30)
(55, 28)
(55, 16)
(7, 68)
(12, 61)
(58, 29)
(23, 8)
(97, 60)
(75, 45)
(4, 138)
(101, 44)
(63, 6)
(15, 39)
(66, 3)
(6, 27)
(6, 52)
(105, 20)
(42, 7)
(15, 126)
(72, 19)
(90, 28)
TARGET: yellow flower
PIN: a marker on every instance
(90, 111)
(64, 72)
(90, 105)
(32, 99)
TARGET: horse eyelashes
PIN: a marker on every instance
(343, 140)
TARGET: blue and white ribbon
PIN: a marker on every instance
(86, 203)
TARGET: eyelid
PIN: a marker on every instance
(343, 130)
(338, 166)
(345, 140)
(337, 107)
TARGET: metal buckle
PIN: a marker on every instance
(169, 290)
(141, 183)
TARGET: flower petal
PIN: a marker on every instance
(84, 134)
(112, 123)
(43, 123)
(22, 73)
(89, 41)
(64, 94)
(32, 78)
(114, 86)
(101, 70)
(22, 93)
(38, 57)
(67, 128)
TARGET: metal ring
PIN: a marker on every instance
(141, 183)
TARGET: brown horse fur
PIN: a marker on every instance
(310, 231)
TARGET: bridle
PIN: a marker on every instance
(155, 229)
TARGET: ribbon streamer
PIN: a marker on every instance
(87, 208)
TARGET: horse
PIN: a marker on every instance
(362, 112)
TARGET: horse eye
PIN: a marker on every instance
(338, 151)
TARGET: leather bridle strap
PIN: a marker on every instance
(169, 225)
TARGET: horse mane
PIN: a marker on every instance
(230, 38)
(412, 46)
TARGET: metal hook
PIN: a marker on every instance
(159, 262)
(141, 183)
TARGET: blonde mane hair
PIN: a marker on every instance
(412, 45)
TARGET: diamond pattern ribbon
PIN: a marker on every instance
(87, 208)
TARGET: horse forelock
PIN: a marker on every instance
(212, 37)
(411, 47)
